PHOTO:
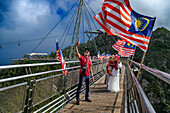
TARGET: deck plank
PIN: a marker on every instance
(103, 101)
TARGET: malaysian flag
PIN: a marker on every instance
(118, 45)
(59, 56)
(118, 18)
(107, 56)
(99, 56)
(103, 55)
(124, 49)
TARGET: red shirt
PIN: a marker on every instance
(83, 61)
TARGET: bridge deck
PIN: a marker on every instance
(102, 100)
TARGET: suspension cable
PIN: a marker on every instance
(31, 40)
(91, 17)
(90, 7)
(94, 14)
(95, 25)
(53, 28)
(87, 19)
(83, 25)
(69, 27)
(89, 26)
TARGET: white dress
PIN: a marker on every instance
(113, 84)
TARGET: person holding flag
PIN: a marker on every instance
(59, 56)
(113, 84)
(99, 56)
(85, 73)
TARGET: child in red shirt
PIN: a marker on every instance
(110, 65)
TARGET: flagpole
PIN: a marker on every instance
(141, 64)
(132, 57)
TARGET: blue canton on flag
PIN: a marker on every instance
(141, 25)
(118, 18)
(128, 45)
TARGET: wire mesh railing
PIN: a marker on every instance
(33, 92)
(159, 74)
(137, 100)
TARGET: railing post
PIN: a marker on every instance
(136, 94)
(52, 82)
(64, 87)
(30, 92)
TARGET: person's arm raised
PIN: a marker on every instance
(77, 52)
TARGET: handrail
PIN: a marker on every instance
(36, 64)
(126, 105)
(36, 74)
(32, 65)
(160, 74)
(33, 84)
(142, 94)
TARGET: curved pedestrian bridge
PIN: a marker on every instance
(103, 101)
(50, 92)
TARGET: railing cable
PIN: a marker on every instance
(67, 25)
(53, 27)
(71, 22)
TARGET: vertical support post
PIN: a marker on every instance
(52, 82)
(141, 64)
(105, 43)
(140, 78)
(128, 60)
(135, 92)
(132, 58)
(30, 92)
(95, 44)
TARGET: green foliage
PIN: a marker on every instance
(158, 57)
(104, 44)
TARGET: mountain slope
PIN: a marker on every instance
(157, 56)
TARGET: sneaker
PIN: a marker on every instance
(88, 100)
(78, 102)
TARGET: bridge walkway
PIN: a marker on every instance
(103, 101)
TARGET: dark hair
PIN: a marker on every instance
(111, 57)
(86, 49)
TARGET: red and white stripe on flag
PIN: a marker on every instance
(115, 19)
(123, 51)
(118, 45)
(60, 57)
(63, 65)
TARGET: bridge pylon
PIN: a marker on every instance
(76, 30)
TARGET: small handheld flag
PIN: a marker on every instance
(124, 49)
(59, 56)
(99, 56)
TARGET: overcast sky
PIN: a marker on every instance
(24, 20)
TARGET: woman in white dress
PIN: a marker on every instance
(113, 84)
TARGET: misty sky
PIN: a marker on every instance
(22, 21)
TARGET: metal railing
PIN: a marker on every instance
(45, 94)
(160, 74)
(137, 99)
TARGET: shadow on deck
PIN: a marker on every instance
(103, 101)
